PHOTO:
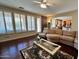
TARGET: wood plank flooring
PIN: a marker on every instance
(11, 49)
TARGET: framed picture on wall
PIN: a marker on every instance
(59, 23)
(67, 25)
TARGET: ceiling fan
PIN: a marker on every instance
(43, 3)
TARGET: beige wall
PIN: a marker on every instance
(74, 15)
(49, 18)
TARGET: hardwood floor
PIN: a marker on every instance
(68, 49)
(11, 49)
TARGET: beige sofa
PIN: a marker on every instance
(66, 37)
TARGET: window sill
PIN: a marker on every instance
(16, 36)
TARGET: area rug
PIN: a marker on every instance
(31, 53)
(64, 55)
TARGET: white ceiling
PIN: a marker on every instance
(28, 5)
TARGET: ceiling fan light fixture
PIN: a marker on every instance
(42, 5)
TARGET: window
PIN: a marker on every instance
(31, 23)
(20, 22)
(6, 25)
(17, 22)
(8, 21)
(38, 24)
(23, 22)
(2, 26)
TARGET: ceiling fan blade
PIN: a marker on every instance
(37, 2)
(50, 4)
(44, 0)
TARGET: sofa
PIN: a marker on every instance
(66, 37)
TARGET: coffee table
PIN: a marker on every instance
(41, 49)
(48, 46)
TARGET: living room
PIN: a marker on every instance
(25, 24)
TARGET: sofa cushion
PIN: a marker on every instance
(76, 34)
(53, 37)
(76, 43)
(51, 31)
(69, 33)
(76, 40)
(67, 38)
(58, 31)
(67, 42)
